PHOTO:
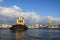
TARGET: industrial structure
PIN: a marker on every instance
(49, 24)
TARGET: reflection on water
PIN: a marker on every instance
(6, 34)
(19, 35)
(30, 34)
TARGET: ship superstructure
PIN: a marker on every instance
(20, 20)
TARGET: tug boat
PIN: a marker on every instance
(20, 24)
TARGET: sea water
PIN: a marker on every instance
(30, 34)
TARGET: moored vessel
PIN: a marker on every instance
(20, 24)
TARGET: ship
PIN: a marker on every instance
(20, 24)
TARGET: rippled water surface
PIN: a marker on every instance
(30, 34)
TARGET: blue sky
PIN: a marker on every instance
(41, 7)
(34, 11)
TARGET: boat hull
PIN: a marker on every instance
(18, 27)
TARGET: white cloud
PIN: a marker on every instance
(32, 16)
(11, 13)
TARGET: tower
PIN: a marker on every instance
(20, 20)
